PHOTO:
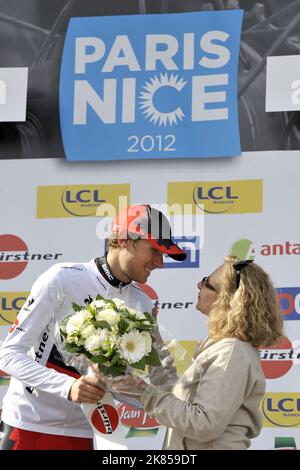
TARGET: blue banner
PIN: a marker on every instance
(289, 302)
(151, 86)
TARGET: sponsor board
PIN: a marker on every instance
(82, 200)
(277, 360)
(289, 301)
(243, 249)
(283, 248)
(15, 255)
(281, 410)
(285, 443)
(182, 352)
(155, 84)
(105, 418)
(191, 245)
(10, 305)
(218, 197)
(4, 378)
(137, 420)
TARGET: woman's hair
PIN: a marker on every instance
(250, 312)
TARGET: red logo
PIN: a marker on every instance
(3, 374)
(277, 360)
(105, 418)
(148, 290)
(16, 323)
(152, 295)
(135, 418)
(13, 247)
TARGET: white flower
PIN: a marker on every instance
(132, 346)
(98, 303)
(102, 338)
(110, 315)
(87, 331)
(77, 321)
(136, 313)
(96, 341)
(148, 341)
(117, 343)
(74, 340)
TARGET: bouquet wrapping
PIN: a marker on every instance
(109, 336)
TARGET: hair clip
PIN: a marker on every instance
(238, 266)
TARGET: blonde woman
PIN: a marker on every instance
(215, 404)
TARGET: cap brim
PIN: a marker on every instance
(168, 247)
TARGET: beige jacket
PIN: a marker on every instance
(215, 403)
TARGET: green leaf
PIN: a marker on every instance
(99, 297)
(149, 318)
(152, 359)
(129, 316)
(87, 354)
(103, 324)
(114, 371)
(99, 359)
(122, 326)
(140, 364)
(76, 307)
(64, 322)
(115, 359)
(73, 349)
(145, 327)
(90, 309)
(111, 304)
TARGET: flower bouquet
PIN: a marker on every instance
(115, 338)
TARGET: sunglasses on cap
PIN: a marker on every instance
(207, 284)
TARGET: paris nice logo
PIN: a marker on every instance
(148, 85)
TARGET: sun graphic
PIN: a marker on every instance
(146, 99)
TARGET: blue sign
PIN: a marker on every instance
(191, 245)
(289, 301)
(151, 86)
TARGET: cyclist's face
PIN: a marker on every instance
(138, 259)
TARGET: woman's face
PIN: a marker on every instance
(207, 294)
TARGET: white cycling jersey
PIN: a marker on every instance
(36, 399)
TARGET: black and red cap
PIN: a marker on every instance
(148, 223)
